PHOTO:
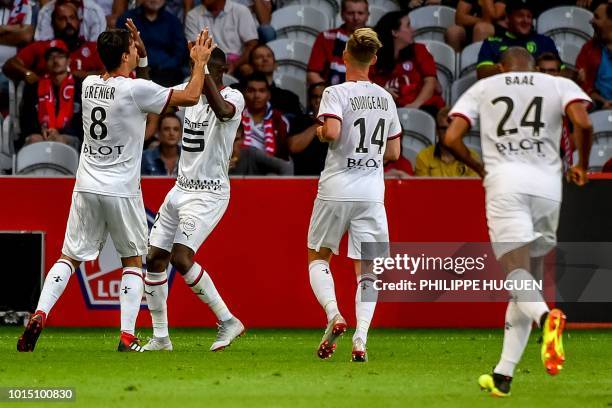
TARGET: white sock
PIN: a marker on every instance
(130, 296)
(530, 302)
(322, 283)
(156, 290)
(516, 335)
(202, 285)
(54, 285)
(365, 303)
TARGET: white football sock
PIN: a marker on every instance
(202, 285)
(54, 285)
(130, 296)
(322, 283)
(365, 303)
(516, 335)
(156, 290)
(530, 302)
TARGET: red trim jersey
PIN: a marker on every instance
(521, 122)
(354, 163)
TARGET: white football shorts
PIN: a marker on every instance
(186, 218)
(94, 216)
(365, 222)
(515, 220)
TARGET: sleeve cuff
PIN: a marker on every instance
(464, 117)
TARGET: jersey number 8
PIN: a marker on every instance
(98, 124)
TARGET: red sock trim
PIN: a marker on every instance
(195, 282)
(155, 283)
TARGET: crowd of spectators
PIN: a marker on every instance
(50, 45)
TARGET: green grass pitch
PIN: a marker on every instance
(269, 368)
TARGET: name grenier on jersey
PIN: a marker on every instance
(532, 118)
(97, 129)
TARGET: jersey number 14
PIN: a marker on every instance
(377, 136)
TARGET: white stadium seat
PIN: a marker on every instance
(417, 124)
(461, 85)
(47, 158)
(431, 22)
(300, 23)
(468, 59)
(288, 51)
(387, 5)
(446, 63)
(229, 80)
(560, 23)
(568, 51)
(291, 70)
(375, 14)
(329, 7)
(293, 84)
(600, 154)
(602, 126)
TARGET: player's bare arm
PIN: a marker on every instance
(453, 140)
(583, 137)
(330, 131)
(199, 54)
(392, 150)
(141, 72)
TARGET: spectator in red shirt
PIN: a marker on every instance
(264, 147)
(326, 64)
(48, 110)
(589, 62)
(405, 68)
(29, 64)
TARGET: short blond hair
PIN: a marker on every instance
(363, 45)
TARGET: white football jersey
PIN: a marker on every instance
(207, 145)
(354, 163)
(521, 121)
(114, 119)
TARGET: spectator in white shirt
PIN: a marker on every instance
(93, 19)
(231, 25)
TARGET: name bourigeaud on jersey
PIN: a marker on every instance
(368, 102)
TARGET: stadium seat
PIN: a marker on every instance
(472, 141)
(291, 70)
(468, 59)
(446, 62)
(15, 96)
(293, 84)
(229, 80)
(387, 5)
(417, 124)
(461, 85)
(600, 154)
(411, 147)
(6, 157)
(431, 22)
(568, 51)
(375, 14)
(300, 23)
(328, 7)
(562, 23)
(288, 51)
(602, 126)
(46, 158)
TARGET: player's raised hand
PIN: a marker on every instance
(142, 52)
(577, 175)
(202, 47)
